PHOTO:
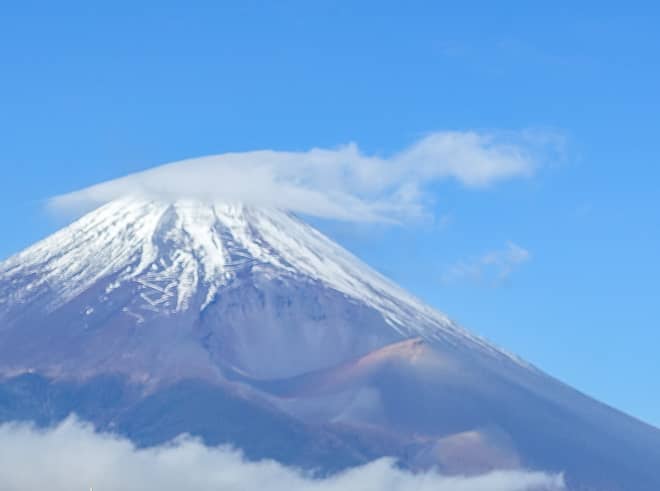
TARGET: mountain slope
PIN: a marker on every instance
(247, 326)
(134, 264)
(463, 411)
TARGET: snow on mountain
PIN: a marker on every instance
(177, 257)
(246, 326)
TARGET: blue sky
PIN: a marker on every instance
(560, 267)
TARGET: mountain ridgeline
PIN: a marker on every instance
(246, 326)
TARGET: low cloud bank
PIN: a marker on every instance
(341, 183)
(73, 457)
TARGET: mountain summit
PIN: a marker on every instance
(247, 326)
(179, 269)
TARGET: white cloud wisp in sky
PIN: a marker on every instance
(490, 268)
(341, 183)
(72, 456)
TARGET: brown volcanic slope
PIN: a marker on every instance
(249, 327)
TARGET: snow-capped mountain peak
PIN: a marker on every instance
(141, 259)
(180, 248)
(245, 325)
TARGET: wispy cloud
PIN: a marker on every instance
(490, 268)
(342, 183)
(72, 456)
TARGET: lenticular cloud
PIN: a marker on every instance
(341, 183)
(72, 456)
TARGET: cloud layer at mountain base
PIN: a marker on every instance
(72, 456)
(341, 183)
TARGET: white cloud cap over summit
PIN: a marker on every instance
(341, 183)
